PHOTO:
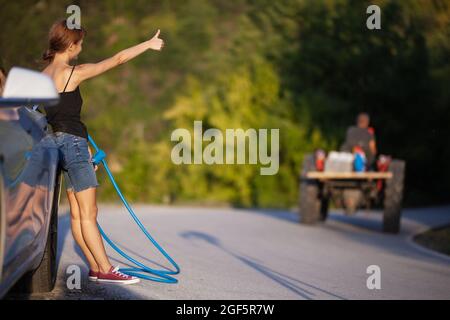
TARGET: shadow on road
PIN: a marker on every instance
(88, 291)
(301, 288)
(360, 220)
(133, 252)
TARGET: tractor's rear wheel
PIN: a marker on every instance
(309, 203)
(393, 197)
(310, 195)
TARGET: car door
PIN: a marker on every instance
(30, 160)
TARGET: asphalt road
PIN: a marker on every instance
(255, 254)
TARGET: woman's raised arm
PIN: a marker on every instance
(90, 70)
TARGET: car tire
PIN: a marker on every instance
(393, 197)
(310, 203)
(43, 278)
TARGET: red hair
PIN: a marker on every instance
(60, 38)
(2, 79)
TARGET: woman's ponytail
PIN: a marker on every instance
(48, 55)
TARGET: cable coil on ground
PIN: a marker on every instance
(141, 271)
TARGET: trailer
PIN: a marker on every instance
(351, 191)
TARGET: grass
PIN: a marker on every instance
(436, 239)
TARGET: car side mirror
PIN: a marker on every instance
(26, 87)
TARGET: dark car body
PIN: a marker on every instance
(29, 197)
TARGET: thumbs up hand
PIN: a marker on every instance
(156, 43)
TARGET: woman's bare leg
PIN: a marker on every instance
(88, 213)
(75, 221)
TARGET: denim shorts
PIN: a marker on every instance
(77, 166)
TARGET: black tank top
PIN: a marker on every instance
(65, 116)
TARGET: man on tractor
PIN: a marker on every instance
(361, 138)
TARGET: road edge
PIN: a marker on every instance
(436, 254)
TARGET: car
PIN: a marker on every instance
(30, 182)
(351, 190)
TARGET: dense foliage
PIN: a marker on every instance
(305, 67)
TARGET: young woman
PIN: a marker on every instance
(71, 135)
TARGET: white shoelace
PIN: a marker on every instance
(120, 274)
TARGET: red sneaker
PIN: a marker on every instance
(93, 276)
(115, 276)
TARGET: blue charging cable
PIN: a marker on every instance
(141, 270)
